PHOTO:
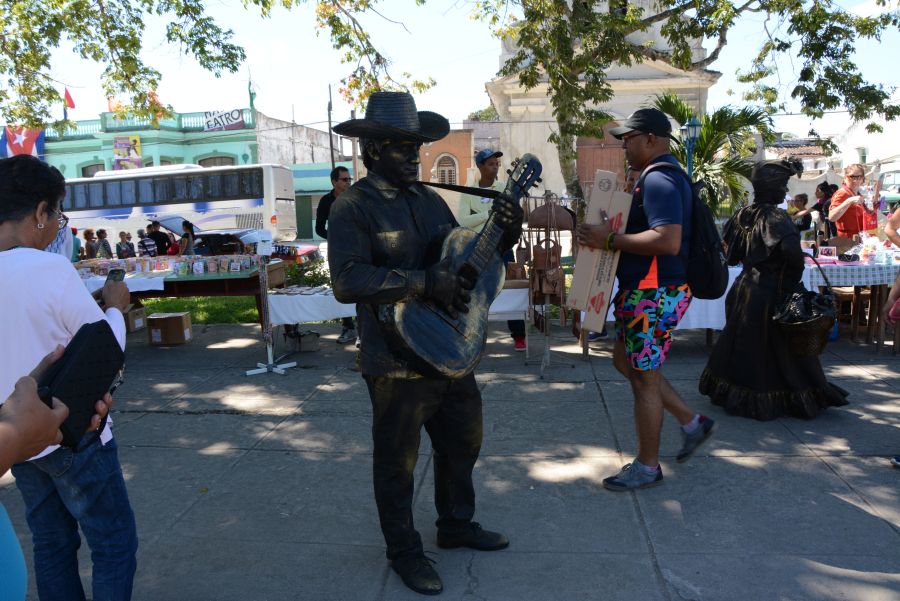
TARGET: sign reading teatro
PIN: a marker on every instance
(218, 120)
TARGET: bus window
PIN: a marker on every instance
(145, 190)
(161, 189)
(128, 192)
(251, 183)
(214, 185)
(113, 194)
(231, 187)
(179, 188)
(95, 194)
(78, 196)
(195, 187)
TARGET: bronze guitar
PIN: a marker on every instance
(429, 338)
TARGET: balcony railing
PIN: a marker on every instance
(109, 123)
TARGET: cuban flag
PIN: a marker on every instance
(19, 140)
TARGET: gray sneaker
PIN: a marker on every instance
(696, 438)
(632, 477)
(347, 336)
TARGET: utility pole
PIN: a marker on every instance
(330, 135)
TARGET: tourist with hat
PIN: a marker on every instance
(473, 213)
(384, 236)
(653, 293)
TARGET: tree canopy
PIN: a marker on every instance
(112, 33)
(567, 45)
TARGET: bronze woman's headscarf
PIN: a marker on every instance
(769, 179)
(754, 231)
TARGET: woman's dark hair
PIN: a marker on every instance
(101, 234)
(25, 181)
(189, 226)
(824, 188)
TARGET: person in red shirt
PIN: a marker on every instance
(847, 209)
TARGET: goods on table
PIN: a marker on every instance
(176, 265)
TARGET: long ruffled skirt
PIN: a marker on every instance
(751, 371)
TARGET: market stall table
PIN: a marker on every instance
(162, 284)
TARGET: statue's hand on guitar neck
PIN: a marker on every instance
(449, 287)
(508, 215)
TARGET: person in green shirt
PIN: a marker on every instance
(474, 211)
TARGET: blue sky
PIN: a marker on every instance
(292, 66)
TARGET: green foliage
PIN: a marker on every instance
(111, 33)
(485, 114)
(722, 150)
(107, 32)
(315, 275)
(208, 309)
(568, 47)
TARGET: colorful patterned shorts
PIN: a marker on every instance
(645, 320)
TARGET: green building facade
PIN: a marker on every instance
(183, 138)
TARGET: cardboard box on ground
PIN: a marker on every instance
(595, 269)
(135, 319)
(166, 329)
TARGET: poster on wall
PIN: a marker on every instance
(219, 120)
(127, 152)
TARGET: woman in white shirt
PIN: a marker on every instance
(44, 304)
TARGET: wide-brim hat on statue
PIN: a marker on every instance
(393, 116)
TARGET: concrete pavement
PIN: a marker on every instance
(259, 488)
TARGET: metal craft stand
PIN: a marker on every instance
(271, 365)
(547, 360)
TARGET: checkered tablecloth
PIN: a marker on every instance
(851, 275)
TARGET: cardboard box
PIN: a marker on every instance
(595, 269)
(164, 329)
(136, 319)
(304, 342)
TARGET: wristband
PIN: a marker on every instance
(609, 240)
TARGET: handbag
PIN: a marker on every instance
(805, 318)
(523, 251)
(546, 254)
(515, 271)
(87, 370)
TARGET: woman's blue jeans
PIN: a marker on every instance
(65, 490)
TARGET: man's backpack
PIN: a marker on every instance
(706, 268)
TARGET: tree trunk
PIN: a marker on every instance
(567, 155)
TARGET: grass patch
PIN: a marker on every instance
(208, 309)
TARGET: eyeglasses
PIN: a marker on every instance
(625, 139)
(61, 219)
(345, 179)
(858, 176)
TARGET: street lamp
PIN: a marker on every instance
(690, 131)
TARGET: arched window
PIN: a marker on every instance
(446, 169)
(216, 161)
(90, 170)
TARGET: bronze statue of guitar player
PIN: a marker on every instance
(385, 255)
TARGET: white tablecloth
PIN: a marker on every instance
(304, 308)
(136, 282)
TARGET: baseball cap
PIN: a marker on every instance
(649, 121)
(482, 155)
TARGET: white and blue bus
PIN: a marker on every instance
(212, 198)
